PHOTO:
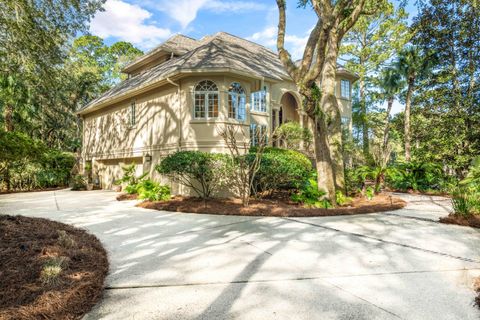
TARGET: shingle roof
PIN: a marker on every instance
(220, 51)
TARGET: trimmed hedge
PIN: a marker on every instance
(282, 169)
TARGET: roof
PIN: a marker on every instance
(218, 52)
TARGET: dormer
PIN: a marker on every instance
(176, 46)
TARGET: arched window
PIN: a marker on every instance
(236, 102)
(206, 100)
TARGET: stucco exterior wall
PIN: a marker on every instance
(165, 124)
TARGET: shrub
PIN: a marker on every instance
(413, 175)
(201, 171)
(281, 169)
(466, 197)
(65, 240)
(292, 134)
(310, 196)
(129, 177)
(342, 199)
(79, 182)
(152, 191)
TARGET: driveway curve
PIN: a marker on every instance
(393, 265)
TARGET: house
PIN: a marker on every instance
(177, 95)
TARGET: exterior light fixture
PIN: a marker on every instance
(148, 158)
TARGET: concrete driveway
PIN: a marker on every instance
(396, 265)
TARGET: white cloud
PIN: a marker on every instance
(268, 38)
(185, 11)
(222, 6)
(127, 22)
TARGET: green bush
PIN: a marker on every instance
(79, 182)
(27, 164)
(201, 171)
(281, 169)
(292, 134)
(422, 176)
(466, 197)
(310, 196)
(150, 190)
(130, 179)
(342, 199)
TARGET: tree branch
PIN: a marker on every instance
(283, 54)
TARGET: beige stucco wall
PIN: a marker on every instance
(165, 123)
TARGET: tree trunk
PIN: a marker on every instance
(408, 102)
(323, 160)
(329, 105)
(363, 111)
(386, 131)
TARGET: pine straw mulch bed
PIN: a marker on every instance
(127, 196)
(275, 208)
(27, 245)
(471, 221)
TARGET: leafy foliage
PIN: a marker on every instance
(414, 175)
(202, 171)
(130, 178)
(310, 195)
(280, 169)
(466, 197)
(153, 191)
(292, 135)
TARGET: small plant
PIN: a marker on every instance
(153, 191)
(65, 240)
(342, 199)
(310, 196)
(370, 193)
(130, 178)
(79, 182)
(51, 270)
(466, 197)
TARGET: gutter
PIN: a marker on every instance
(179, 114)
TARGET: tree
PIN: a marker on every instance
(33, 37)
(446, 115)
(391, 83)
(319, 65)
(413, 63)
(367, 47)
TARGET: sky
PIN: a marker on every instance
(147, 23)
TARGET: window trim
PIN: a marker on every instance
(263, 96)
(234, 101)
(206, 96)
(132, 121)
(342, 92)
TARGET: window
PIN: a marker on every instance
(259, 101)
(205, 100)
(345, 89)
(132, 114)
(236, 102)
(258, 133)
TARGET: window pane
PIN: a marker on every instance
(199, 105)
(212, 105)
(242, 108)
(345, 89)
(232, 105)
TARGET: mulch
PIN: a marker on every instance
(472, 221)
(127, 196)
(26, 244)
(275, 208)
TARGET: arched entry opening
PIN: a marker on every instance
(289, 108)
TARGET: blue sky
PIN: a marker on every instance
(147, 23)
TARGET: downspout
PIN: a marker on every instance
(179, 145)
